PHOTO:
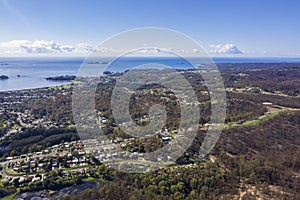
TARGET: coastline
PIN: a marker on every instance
(27, 81)
(65, 84)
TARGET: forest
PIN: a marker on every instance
(260, 160)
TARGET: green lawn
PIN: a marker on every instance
(88, 179)
(10, 197)
(252, 123)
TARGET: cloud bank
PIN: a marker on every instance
(224, 49)
(42, 47)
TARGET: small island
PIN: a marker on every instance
(3, 77)
(61, 78)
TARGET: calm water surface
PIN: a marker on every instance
(25, 73)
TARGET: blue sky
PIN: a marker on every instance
(254, 27)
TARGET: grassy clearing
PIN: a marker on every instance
(10, 197)
(256, 122)
(88, 179)
(252, 122)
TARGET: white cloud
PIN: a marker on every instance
(224, 49)
(150, 50)
(44, 47)
(12, 47)
(41, 47)
(84, 48)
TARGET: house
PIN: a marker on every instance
(36, 179)
(9, 158)
(25, 167)
(267, 103)
(75, 161)
(40, 165)
(22, 179)
(165, 139)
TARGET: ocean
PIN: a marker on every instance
(27, 73)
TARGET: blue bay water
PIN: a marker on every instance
(26, 73)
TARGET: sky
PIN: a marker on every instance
(255, 28)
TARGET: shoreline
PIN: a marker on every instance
(36, 88)
(222, 66)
